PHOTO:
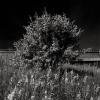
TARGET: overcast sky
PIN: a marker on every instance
(14, 15)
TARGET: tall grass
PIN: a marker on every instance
(6, 72)
(34, 84)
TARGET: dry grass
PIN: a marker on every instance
(46, 86)
(36, 85)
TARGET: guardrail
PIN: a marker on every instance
(6, 51)
(91, 70)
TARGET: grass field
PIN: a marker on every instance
(6, 72)
(15, 85)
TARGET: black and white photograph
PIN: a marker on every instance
(50, 50)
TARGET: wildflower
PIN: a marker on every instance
(85, 78)
(78, 95)
(10, 96)
(91, 98)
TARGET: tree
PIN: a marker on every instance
(46, 41)
(49, 42)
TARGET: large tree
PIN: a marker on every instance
(47, 42)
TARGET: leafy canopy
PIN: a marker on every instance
(46, 42)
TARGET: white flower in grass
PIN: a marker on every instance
(46, 94)
(91, 98)
(97, 89)
(66, 77)
(85, 79)
(72, 82)
(72, 72)
(98, 98)
(66, 80)
(78, 83)
(48, 73)
(19, 81)
(32, 97)
(10, 96)
(88, 88)
(78, 95)
(19, 93)
(56, 76)
(74, 77)
(32, 81)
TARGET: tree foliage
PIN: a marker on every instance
(47, 42)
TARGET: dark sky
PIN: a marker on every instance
(14, 15)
